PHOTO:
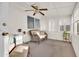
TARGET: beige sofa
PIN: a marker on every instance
(37, 35)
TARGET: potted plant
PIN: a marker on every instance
(65, 35)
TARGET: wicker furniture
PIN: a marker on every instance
(37, 35)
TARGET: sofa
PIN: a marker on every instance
(37, 35)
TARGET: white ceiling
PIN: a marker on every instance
(54, 8)
(59, 8)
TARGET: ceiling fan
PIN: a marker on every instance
(37, 10)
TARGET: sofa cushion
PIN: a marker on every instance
(37, 35)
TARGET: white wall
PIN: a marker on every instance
(52, 26)
(75, 37)
(3, 18)
(44, 23)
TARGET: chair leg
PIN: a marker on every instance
(46, 38)
(38, 41)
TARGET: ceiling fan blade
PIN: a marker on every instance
(29, 10)
(34, 14)
(41, 13)
(45, 9)
(35, 7)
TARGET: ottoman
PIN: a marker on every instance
(20, 51)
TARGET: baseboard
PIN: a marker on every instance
(26, 42)
(60, 40)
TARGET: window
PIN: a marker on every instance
(33, 23)
(61, 28)
(30, 22)
(78, 28)
(67, 27)
(36, 23)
